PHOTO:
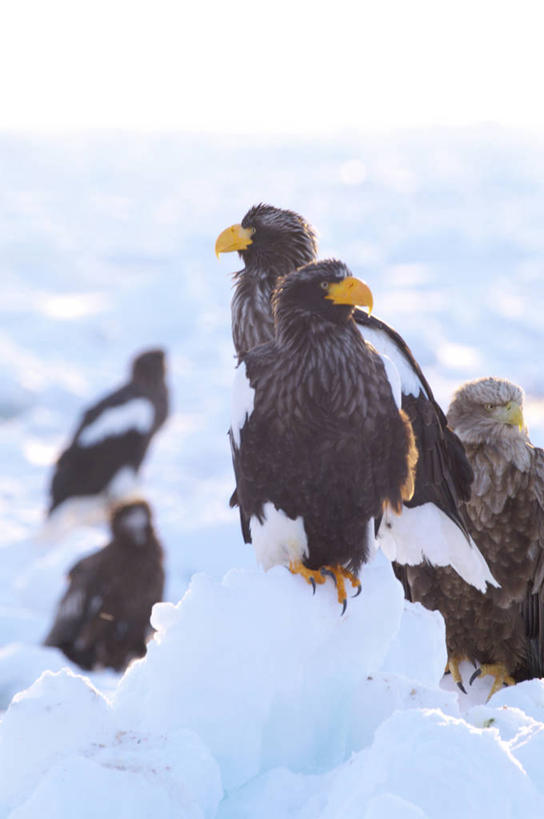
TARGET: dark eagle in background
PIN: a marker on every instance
(432, 526)
(272, 242)
(319, 444)
(503, 629)
(100, 465)
(103, 618)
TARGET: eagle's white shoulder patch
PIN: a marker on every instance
(410, 383)
(137, 414)
(393, 377)
(243, 397)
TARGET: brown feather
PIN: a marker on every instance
(506, 520)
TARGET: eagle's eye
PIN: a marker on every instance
(324, 285)
(488, 406)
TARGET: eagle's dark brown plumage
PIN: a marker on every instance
(103, 618)
(503, 629)
(319, 444)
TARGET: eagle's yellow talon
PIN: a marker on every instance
(500, 675)
(311, 576)
(338, 573)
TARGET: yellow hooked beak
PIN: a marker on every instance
(514, 415)
(232, 238)
(510, 414)
(351, 291)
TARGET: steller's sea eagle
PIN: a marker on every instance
(271, 241)
(100, 465)
(320, 446)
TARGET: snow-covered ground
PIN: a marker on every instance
(255, 699)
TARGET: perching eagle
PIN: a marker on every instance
(319, 444)
(103, 618)
(502, 630)
(100, 465)
(432, 526)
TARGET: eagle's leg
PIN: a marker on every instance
(311, 576)
(500, 675)
(453, 667)
(338, 573)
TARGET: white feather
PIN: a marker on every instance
(393, 377)
(243, 397)
(279, 539)
(411, 385)
(137, 414)
(427, 533)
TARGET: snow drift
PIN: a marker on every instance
(256, 698)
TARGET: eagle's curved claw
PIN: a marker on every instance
(312, 581)
(358, 592)
(452, 667)
(476, 674)
(344, 607)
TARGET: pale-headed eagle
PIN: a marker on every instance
(432, 526)
(103, 618)
(99, 467)
(320, 446)
(503, 629)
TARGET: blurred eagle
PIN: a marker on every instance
(320, 445)
(103, 618)
(502, 630)
(99, 467)
(274, 242)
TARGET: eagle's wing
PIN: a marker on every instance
(76, 605)
(444, 474)
(432, 526)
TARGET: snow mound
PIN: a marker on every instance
(22, 663)
(257, 698)
(243, 675)
(62, 752)
(476, 770)
(259, 658)
(422, 763)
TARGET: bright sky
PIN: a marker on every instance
(280, 65)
